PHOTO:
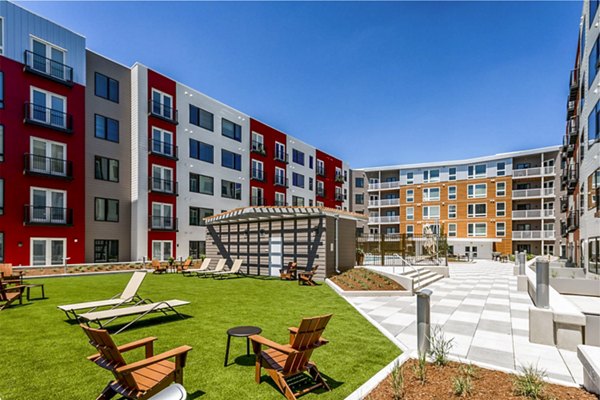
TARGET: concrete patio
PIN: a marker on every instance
(480, 308)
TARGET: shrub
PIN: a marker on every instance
(420, 368)
(440, 347)
(462, 386)
(397, 382)
(530, 382)
(468, 370)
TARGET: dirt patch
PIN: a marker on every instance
(485, 385)
(364, 279)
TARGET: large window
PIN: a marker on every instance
(431, 212)
(48, 206)
(500, 209)
(593, 61)
(359, 198)
(202, 184)
(106, 209)
(593, 255)
(477, 191)
(106, 250)
(451, 192)
(231, 160)
(197, 249)
(231, 130)
(106, 169)
(48, 59)
(500, 189)
(476, 210)
(197, 215)
(162, 250)
(594, 123)
(410, 230)
(106, 128)
(478, 229)
(359, 182)
(1, 143)
(297, 201)
(431, 175)
(231, 190)
(47, 157)
(298, 157)
(500, 229)
(162, 142)
(106, 87)
(452, 211)
(410, 213)
(431, 194)
(451, 230)
(162, 179)
(202, 118)
(162, 105)
(162, 216)
(280, 152)
(297, 180)
(48, 251)
(477, 171)
(48, 108)
(202, 151)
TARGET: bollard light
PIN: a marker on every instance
(542, 281)
(522, 261)
(424, 321)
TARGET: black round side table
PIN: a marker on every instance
(241, 331)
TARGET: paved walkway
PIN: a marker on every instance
(480, 308)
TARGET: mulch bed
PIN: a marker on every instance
(486, 385)
(364, 279)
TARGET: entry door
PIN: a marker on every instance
(275, 255)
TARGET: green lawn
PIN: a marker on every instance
(43, 355)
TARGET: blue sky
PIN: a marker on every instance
(372, 83)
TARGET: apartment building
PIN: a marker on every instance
(501, 203)
(580, 153)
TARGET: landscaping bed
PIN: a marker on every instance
(485, 384)
(364, 279)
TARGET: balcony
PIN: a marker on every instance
(570, 107)
(41, 215)
(257, 175)
(388, 219)
(280, 156)
(573, 129)
(321, 171)
(384, 203)
(281, 180)
(563, 229)
(163, 186)
(339, 197)
(533, 193)
(533, 235)
(47, 166)
(321, 192)
(48, 68)
(572, 178)
(48, 118)
(163, 149)
(257, 201)
(160, 223)
(535, 172)
(564, 203)
(384, 185)
(574, 81)
(163, 111)
(258, 148)
(533, 214)
(339, 178)
(572, 221)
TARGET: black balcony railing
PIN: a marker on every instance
(257, 201)
(564, 203)
(48, 117)
(281, 181)
(320, 171)
(339, 197)
(321, 192)
(573, 129)
(160, 223)
(47, 67)
(339, 178)
(570, 107)
(165, 186)
(572, 178)
(163, 111)
(163, 149)
(563, 229)
(40, 165)
(258, 148)
(572, 221)
(281, 156)
(41, 215)
(258, 174)
(574, 80)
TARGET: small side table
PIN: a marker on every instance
(241, 331)
(32, 286)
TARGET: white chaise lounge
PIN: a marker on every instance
(203, 267)
(218, 268)
(235, 270)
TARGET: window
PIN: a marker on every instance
(258, 143)
(593, 10)
(1, 35)
(197, 215)
(1, 196)
(280, 152)
(257, 196)
(162, 250)
(280, 177)
(1, 233)
(593, 61)
(106, 251)
(410, 230)
(310, 162)
(451, 192)
(452, 174)
(47, 157)
(231, 160)
(431, 194)
(48, 206)
(477, 171)
(477, 191)
(202, 151)
(197, 249)
(410, 213)
(257, 172)
(106, 169)
(1, 86)
(231, 190)
(500, 229)
(320, 167)
(202, 184)
(410, 195)
(162, 105)
(478, 229)
(297, 180)
(1, 143)
(231, 130)
(431, 212)
(106, 210)
(451, 230)
(432, 175)
(476, 210)
(162, 142)
(452, 211)
(279, 199)
(106, 87)
(48, 108)
(500, 189)
(106, 128)
(162, 179)
(359, 199)
(359, 182)
(410, 178)
(162, 216)
(202, 118)
(46, 251)
(297, 201)
(310, 183)
(47, 59)
(594, 123)
(298, 157)
(501, 169)
(500, 209)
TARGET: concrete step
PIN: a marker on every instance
(422, 277)
(426, 282)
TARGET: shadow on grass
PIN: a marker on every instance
(304, 381)
(139, 324)
(245, 361)
(197, 394)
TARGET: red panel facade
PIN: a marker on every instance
(18, 184)
(329, 180)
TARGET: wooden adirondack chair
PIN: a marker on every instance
(7, 273)
(285, 362)
(139, 380)
(186, 265)
(289, 273)
(10, 294)
(306, 277)
(158, 269)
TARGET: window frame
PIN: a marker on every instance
(503, 229)
(501, 213)
(199, 146)
(107, 244)
(472, 210)
(429, 215)
(473, 194)
(105, 127)
(108, 91)
(452, 193)
(427, 194)
(410, 213)
(452, 214)
(108, 166)
(452, 173)
(199, 178)
(471, 229)
(296, 157)
(452, 232)
(410, 198)
(237, 190)
(106, 209)
(198, 111)
(237, 133)
(236, 158)
(429, 178)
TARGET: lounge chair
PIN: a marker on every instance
(203, 267)
(7, 273)
(10, 293)
(306, 277)
(185, 266)
(158, 269)
(290, 272)
(128, 296)
(139, 380)
(139, 311)
(235, 270)
(218, 268)
(286, 362)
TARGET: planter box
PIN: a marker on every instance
(366, 293)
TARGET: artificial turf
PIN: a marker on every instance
(44, 356)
